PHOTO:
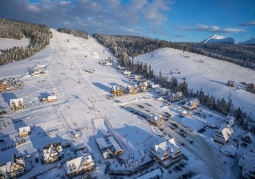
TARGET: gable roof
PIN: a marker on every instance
(248, 134)
(24, 129)
(168, 146)
(77, 164)
(225, 131)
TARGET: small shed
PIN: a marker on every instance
(52, 98)
(247, 137)
(24, 131)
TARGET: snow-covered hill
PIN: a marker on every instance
(248, 42)
(219, 39)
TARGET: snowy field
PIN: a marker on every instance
(82, 107)
(10, 43)
(212, 75)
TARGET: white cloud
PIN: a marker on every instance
(206, 28)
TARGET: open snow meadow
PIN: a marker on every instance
(84, 112)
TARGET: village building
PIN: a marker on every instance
(13, 168)
(79, 166)
(175, 96)
(24, 131)
(223, 134)
(155, 119)
(143, 85)
(108, 146)
(52, 98)
(247, 137)
(167, 152)
(129, 90)
(116, 90)
(191, 104)
(2, 87)
(17, 104)
(247, 165)
(52, 153)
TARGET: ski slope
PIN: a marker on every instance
(212, 75)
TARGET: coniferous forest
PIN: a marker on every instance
(39, 36)
(73, 32)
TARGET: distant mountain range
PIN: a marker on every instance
(248, 42)
(227, 40)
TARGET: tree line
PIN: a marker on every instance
(73, 32)
(124, 46)
(38, 34)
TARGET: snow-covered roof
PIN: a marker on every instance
(248, 134)
(224, 131)
(3, 169)
(25, 129)
(50, 149)
(108, 142)
(167, 147)
(155, 117)
(101, 142)
(16, 101)
(51, 97)
(78, 164)
(229, 150)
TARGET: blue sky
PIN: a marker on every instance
(179, 20)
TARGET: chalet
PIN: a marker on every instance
(24, 131)
(143, 85)
(17, 104)
(223, 134)
(2, 87)
(247, 165)
(52, 153)
(247, 138)
(191, 104)
(231, 83)
(79, 166)
(13, 168)
(155, 119)
(175, 96)
(116, 90)
(167, 150)
(108, 146)
(52, 98)
(129, 90)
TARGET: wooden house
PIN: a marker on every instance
(52, 98)
(79, 166)
(155, 119)
(223, 134)
(52, 153)
(17, 104)
(24, 131)
(13, 168)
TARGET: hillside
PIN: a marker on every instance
(248, 42)
(39, 36)
(124, 46)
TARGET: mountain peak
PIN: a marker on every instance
(219, 39)
(249, 42)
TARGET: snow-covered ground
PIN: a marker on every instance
(10, 43)
(82, 107)
(212, 75)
